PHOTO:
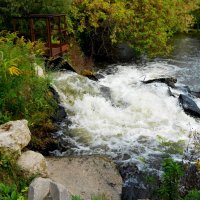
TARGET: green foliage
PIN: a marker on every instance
(196, 15)
(170, 180)
(13, 185)
(145, 25)
(193, 195)
(9, 192)
(22, 93)
(76, 198)
(101, 197)
(171, 147)
(10, 8)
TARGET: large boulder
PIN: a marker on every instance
(33, 163)
(189, 106)
(45, 188)
(14, 136)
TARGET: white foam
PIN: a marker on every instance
(135, 110)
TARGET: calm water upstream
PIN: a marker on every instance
(121, 117)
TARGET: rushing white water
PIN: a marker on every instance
(122, 117)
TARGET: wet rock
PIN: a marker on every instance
(184, 89)
(92, 77)
(106, 92)
(60, 112)
(171, 93)
(196, 94)
(170, 81)
(33, 163)
(86, 176)
(99, 76)
(189, 106)
(136, 184)
(14, 136)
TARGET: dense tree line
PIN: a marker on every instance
(99, 25)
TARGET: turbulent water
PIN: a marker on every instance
(126, 119)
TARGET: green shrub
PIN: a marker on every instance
(22, 93)
(193, 195)
(170, 180)
(145, 25)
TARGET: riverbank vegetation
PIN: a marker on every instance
(23, 94)
(98, 26)
(101, 25)
(13, 184)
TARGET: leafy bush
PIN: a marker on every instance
(22, 93)
(193, 195)
(170, 180)
(145, 25)
(9, 192)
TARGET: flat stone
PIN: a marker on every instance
(14, 136)
(33, 163)
(86, 176)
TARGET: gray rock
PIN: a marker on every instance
(46, 189)
(39, 189)
(189, 106)
(58, 192)
(170, 81)
(14, 136)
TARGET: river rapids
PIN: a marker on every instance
(124, 118)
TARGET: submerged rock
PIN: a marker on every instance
(87, 176)
(14, 136)
(170, 81)
(189, 106)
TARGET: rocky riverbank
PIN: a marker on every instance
(59, 178)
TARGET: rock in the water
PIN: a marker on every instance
(189, 106)
(33, 163)
(60, 112)
(196, 94)
(44, 188)
(14, 136)
(170, 81)
(92, 77)
(106, 92)
(86, 176)
(99, 76)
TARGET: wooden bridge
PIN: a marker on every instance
(50, 28)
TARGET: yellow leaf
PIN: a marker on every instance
(14, 71)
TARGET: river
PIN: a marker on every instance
(128, 120)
